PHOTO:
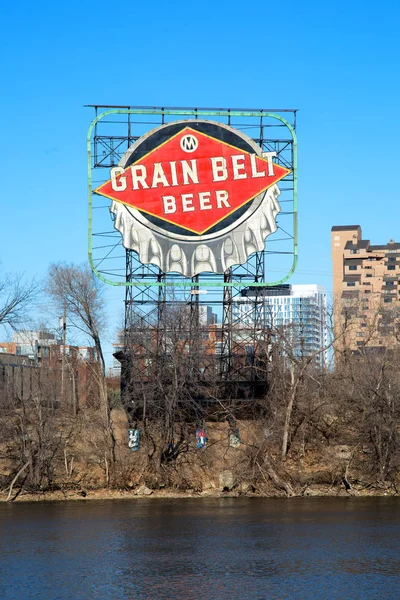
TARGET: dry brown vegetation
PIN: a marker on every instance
(315, 430)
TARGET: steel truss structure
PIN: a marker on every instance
(239, 346)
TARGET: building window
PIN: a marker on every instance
(368, 275)
(354, 252)
(391, 267)
(352, 267)
(367, 291)
(351, 284)
(387, 299)
(218, 347)
(360, 334)
(389, 283)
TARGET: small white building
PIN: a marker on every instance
(35, 344)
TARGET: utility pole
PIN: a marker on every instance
(64, 328)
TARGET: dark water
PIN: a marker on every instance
(201, 549)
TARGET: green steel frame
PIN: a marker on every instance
(207, 113)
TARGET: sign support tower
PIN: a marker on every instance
(240, 338)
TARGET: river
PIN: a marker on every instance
(219, 549)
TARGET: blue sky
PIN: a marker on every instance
(338, 63)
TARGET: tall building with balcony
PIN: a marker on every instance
(366, 289)
(299, 309)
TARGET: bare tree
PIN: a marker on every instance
(76, 288)
(295, 377)
(370, 410)
(30, 428)
(169, 369)
(16, 297)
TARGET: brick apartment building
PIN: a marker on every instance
(366, 289)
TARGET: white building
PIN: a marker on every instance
(206, 315)
(302, 307)
(42, 346)
(35, 344)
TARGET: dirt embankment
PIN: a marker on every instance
(73, 460)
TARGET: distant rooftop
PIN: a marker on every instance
(365, 244)
(345, 227)
(391, 245)
(361, 244)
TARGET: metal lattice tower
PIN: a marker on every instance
(239, 342)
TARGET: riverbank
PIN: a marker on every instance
(85, 465)
(144, 492)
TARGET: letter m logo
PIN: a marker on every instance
(189, 143)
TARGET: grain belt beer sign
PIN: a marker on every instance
(195, 196)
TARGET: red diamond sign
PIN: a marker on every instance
(193, 180)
